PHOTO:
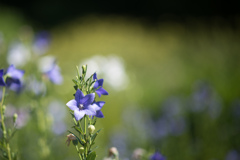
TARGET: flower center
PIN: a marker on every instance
(80, 106)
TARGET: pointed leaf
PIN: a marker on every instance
(92, 156)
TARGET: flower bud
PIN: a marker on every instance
(113, 152)
(81, 150)
(70, 137)
(15, 116)
(84, 70)
(91, 129)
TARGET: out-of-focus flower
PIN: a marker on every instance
(157, 156)
(2, 83)
(14, 76)
(111, 68)
(233, 155)
(98, 106)
(70, 138)
(41, 43)
(138, 153)
(50, 69)
(99, 83)
(18, 55)
(81, 105)
(113, 152)
(205, 99)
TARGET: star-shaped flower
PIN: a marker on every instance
(99, 83)
(2, 83)
(81, 105)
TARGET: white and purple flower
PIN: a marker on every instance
(82, 105)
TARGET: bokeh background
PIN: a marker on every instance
(172, 70)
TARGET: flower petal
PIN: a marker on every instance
(101, 91)
(72, 104)
(90, 111)
(94, 76)
(100, 82)
(78, 96)
(79, 114)
(2, 83)
(14, 73)
(98, 105)
(99, 114)
(87, 100)
(95, 107)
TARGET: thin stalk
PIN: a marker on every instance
(79, 154)
(5, 142)
(2, 116)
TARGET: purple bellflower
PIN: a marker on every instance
(2, 83)
(54, 74)
(41, 43)
(98, 106)
(157, 156)
(99, 83)
(81, 105)
(13, 78)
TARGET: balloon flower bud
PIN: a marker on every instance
(15, 116)
(81, 150)
(84, 69)
(91, 129)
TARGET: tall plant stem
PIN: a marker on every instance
(5, 142)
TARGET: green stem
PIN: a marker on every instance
(5, 142)
(79, 154)
(2, 116)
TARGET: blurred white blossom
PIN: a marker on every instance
(18, 55)
(111, 68)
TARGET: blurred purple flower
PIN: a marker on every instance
(233, 155)
(205, 99)
(157, 156)
(2, 83)
(47, 65)
(54, 74)
(81, 105)
(41, 43)
(98, 106)
(99, 83)
(14, 76)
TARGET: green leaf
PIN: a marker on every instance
(78, 130)
(92, 156)
(95, 135)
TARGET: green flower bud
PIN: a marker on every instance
(81, 150)
(84, 69)
(15, 116)
(91, 129)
